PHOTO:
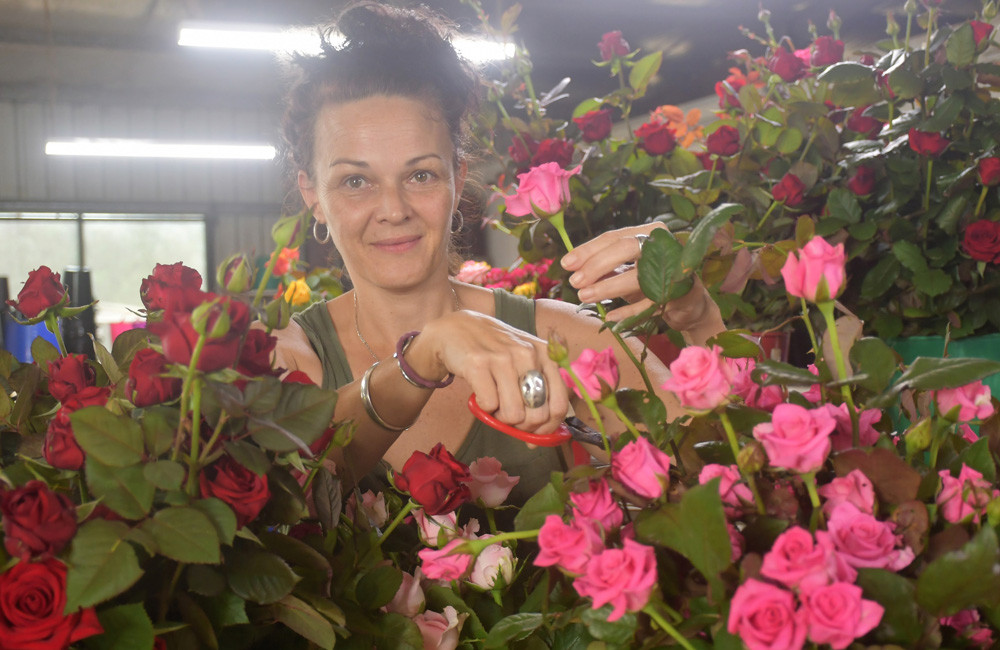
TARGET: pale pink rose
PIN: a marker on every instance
(817, 263)
(542, 191)
(796, 438)
(490, 485)
(736, 543)
(440, 631)
(797, 561)
(968, 434)
(836, 614)
(735, 495)
(570, 546)
(865, 542)
(409, 598)
(373, 505)
(598, 505)
(700, 378)
(765, 618)
(854, 488)
(964, 497)
(591, 368)
(843, 436)
(436, 530)
(815, 392)
(473, 272)
(442, 564)
(494, 567)
(642, 468)
(623, 577)
(973, 401)
(754, 395)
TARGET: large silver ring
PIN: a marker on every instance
(533, 389)
(641, 238)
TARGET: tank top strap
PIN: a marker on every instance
(515, 310)
(315, 321)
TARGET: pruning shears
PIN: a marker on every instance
(572, 428)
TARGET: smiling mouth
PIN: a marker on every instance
(397, 244)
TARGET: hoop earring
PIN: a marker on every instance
(461, 222)
(325, 238)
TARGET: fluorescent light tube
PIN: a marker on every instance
(120, 148)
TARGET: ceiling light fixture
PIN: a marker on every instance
(121, 148)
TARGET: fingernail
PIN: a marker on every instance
(586, 294)
(568, 258)
(575, 279)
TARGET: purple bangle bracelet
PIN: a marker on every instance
(407, 370)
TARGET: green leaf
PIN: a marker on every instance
(659, 265)
(683, 208)
(377, 587)
(303, 619)
(123, 489)
(620, 632)
(978, 457)
(545, 502)
(159, 425)
(872, 357)
(843, 205)
(107, 362)
(644, 70)
(225, 609)
(127, 344)
(259, 576)
(205, 580)
(945, 114)
(703, 233)
(736, 344)
(785, 374)
(961, 46)
(512, 628)
(221, 515)
(303, 409)
(932, 282)
(952, 212)
(398, 632)
(126, 627)
(964, 578)
(113, 440)
(165, 474)
(905, 83)
(789, 141)
(101, 564)
(909, 255)
(587, 105)
(185, 534)
(43, 352)
(248, 455)
(928, 373)
(901, 620)
(878, 280)
(847, 72)
(695, 528)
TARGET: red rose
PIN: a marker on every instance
(656, 138)
(786, 65)
(437, 481)
(255, 358)
(42, 290)
(989, 171)
(522, 149)
(595, 125)
(69, 375)
(707, 160)
(159, 643)
(728, 91)
(32, 600)
(927, 143)
(982, 240)
(60, 447)
(862, 123)
(554, 150)
(863, 180)
(242, 490)
(37, 522)
(612, 44)
(826, 50)
(146, 384)
(178, 336)
(789, 190)
(297, 377)
(980, 31)
(724, 141)
(171, 285)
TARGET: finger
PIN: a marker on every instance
(558, 398)
(618, 285)
(508, 382)
(624, 250)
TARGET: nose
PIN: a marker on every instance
(393, 206)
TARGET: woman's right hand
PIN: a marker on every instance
(491, 357)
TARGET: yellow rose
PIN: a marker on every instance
(528, 289)
(298, 293)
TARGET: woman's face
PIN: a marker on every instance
(386, 185)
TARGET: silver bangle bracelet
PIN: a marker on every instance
(366, 399)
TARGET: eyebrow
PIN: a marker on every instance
(361, 163)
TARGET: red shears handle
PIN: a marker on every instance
(554, 439)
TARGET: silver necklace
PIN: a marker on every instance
(357, 325)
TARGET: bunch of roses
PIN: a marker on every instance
(525, 279)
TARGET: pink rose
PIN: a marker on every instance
(815, 392)
(735, 495)
(440, 631)
(409, 598)
(592, 368)
(865, 542)
(973, 400)
(623, 577)
(373, 505)
(700, 378)
(442, 564)
(612, 44)
(754, 395)
(855, 488)
(765, 618)
(964, 497)
(598, 505)
(836, 614)
(736, 543)
(473, 272)
(570, 546)
(968, 434)
(796, 438)
(966, 623)
(490, 485)
(436, 530)
(494, 567)
(541, 191)
(843, 436)
(797, 561)
(642, 468)
(817, 273)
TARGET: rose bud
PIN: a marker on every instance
(982, 240)
(790, 190)
(236, 274)
(927, 143)
(146, 383)
(817, 273)
(594, 125)
(597, 371)
(277, 314)
(241, 489)
(555, 150)
(37, 522)
(69, 375)
(863, 181)
(541, 191)
(989, 171)
(656, 138)
(41, 291)
(642, 468)
(612, 44)
(826, 50)
(786, 65)
(724, 141)
(980, 32)
(522, 148)
(171, 285)
(437, 481)
(287, 232)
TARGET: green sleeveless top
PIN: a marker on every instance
(534, 466)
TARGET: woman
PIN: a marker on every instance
(374, 132)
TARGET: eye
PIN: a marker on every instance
(355, 182)
(422, 176)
